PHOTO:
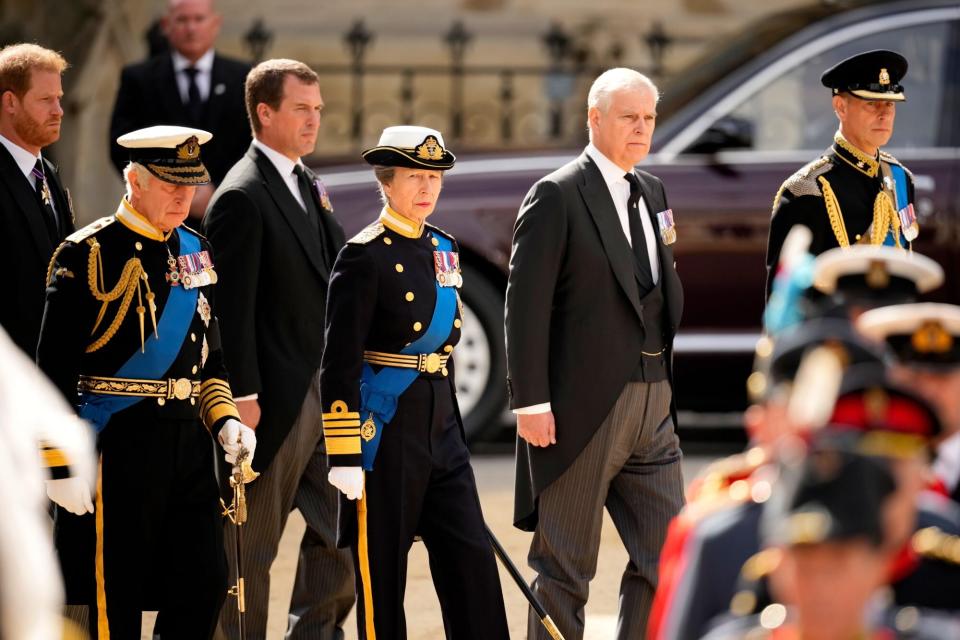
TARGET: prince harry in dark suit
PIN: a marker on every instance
(275, 239)
(593, 304)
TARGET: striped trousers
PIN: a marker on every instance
(631, 467)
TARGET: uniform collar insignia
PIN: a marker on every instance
(853, 156)
(137, 222)
(399, 224)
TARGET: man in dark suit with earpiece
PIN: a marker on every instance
(189, 85)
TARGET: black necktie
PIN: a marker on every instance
(44, 196)
(194, 103)
(637, 239)
(313, 211)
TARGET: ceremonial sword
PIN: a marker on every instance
(242, 474)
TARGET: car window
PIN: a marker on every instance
(794, 112)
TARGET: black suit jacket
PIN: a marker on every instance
(22, 227)
(273, 272)
(148, 96)
(573, 315)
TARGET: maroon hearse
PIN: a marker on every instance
(731, 129)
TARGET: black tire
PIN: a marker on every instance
(481, 359)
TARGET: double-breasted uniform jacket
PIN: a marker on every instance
(23, 228)
(148, 95)
(382, 299)
(275, 267)
(407, 436)
(843, 198)
(108, 287)
(574, 325)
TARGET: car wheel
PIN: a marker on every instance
(481, 362)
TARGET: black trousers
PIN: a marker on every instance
(155, 541)
(422, 485)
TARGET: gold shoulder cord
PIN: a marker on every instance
(884, 218)
(127, 285)
(53, 261)
(833, 212)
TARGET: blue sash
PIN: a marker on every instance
(900, 189)
(380, 392)
(158, 353)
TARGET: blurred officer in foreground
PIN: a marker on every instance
(130, 337)
(925, 342)
(35, 210)
(32, 413)
(718, 531)
(854, 193)
(393, 432)
(829, 550)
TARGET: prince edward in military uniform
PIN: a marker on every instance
(854, 193)
(130, 337)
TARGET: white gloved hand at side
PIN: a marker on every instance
(234, 435)
(73, 494)
(348, 480)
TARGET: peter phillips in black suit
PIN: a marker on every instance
(593, 304)
(275, 240)
(189, 85)
(35, 210)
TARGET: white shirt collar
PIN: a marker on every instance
(203, 65)
(24, 159)
(612, 174)
(283, 164)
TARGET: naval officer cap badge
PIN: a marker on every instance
(170, 153)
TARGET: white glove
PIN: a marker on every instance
(73, 494)
(348, 479)
(234, 435)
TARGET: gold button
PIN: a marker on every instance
(858, 237)
(409, 296)
(435, 242)
(399, 268)
(194, 368)
(457, 323)
(138, 246)
(417, 326)
(448, 348)
(194, 400)
(387, 240)
(161, 401)
(443, 371)
(193, 337)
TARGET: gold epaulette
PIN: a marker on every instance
(804, 181)
(933, 543)
(368, 233)
(440, 231)
(76, 237)
(80, 235)
(889, 159)
(193, 231)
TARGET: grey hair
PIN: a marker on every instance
(614, 81)
(384, 176)
(143, 176)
